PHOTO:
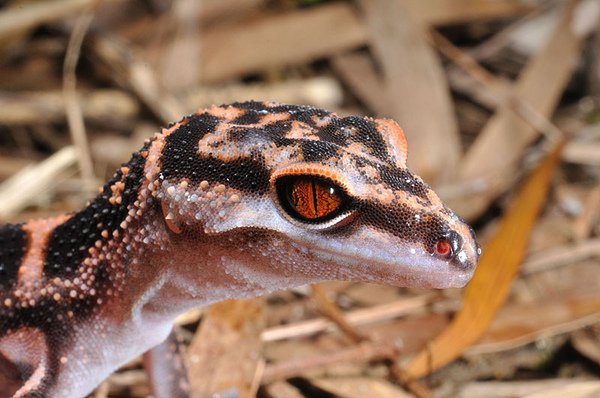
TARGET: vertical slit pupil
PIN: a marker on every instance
(315, 200)
(309, 198)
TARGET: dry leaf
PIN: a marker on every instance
(494, 156)
(497, 268)
(415, 87)
(224, 355)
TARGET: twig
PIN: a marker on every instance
(18, 191)
(321, 91)
(361, 353)
(127, 69)
(72, 106)
(102, 390)
(112, 107)
(582, 228)
(560, 256)
(356, 318)
(333, 312)
(489, 82)
(34, 14)
(401, 377)
(258, 375)
(498, 41)
(584, 153)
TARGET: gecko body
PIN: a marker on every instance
(232, 201)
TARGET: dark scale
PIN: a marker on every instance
(300, 113)
(180, 154)
(69, 243)
(317, 151)
(403, 180)
(46, 310)
(250, 116)
(399, 220)
(13, 245)
(347, 130)
(180, 159)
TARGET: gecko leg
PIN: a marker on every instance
(166, 369)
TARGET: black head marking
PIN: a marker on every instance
(13, 245)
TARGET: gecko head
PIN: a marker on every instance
(374, 233)
(330, 197)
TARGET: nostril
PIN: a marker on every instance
(448, 245)
(443, 248)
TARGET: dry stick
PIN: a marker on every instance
(584, 224)
(584, 153)
(102, 390)
(361, 353)
(488, 80)
(331, 310)
(33, 14)
(19, 190)
(359, 317)
(501, 39)
(258, 376)
(73, 108)
(40, 107)
(561, 256)
(401, 377)
(127, 68)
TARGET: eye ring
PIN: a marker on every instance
(311, 199)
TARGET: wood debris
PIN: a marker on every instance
(483, 90)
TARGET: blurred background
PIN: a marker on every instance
(500, 102)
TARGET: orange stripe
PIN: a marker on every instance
(38, 232)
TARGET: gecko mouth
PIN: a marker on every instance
(424, 272)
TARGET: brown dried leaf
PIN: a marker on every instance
(586, 342)
(495, 154)
(520, 324)
(281, 39)
(497, 268)
(224, 355)
(355, 387)
(554, 388)
(442, 12)
(415, 87)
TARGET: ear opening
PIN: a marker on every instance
(169, 219)
(393, 134)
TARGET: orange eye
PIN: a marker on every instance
(310, 198)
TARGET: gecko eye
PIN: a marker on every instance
(310, 198)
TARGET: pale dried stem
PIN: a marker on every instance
(333, 312)
(356, 318)
(360, 353)
(489, 82)
(72, 104)
(561, 256)
(328, 308)
(20, 190)
(34, 14)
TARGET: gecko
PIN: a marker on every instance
(232, 201)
